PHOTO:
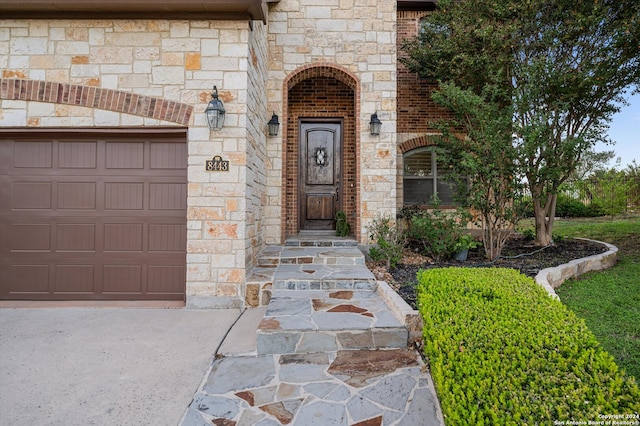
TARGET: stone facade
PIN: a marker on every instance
(158, 73)
(161, 62)
(358, 39)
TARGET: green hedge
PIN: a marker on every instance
(569, 207)
(501, 351)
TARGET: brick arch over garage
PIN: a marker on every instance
(96, 97)
(339, 84)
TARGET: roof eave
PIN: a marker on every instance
(250, 10)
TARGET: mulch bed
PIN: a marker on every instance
(519, 253)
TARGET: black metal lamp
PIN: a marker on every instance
(273, 125)
(374, 124)
(215, 111)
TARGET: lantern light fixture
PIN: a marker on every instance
(273, 125)
(215, 111)
(374, 124)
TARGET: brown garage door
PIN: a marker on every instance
(93, 215)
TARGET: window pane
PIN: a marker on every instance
(446, 192)
(418, 164)
(418, 191)
(427, 28)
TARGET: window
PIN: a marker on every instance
(428, 28)
(422, 178)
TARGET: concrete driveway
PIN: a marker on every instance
(105, 366)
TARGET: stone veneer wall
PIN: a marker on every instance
(256, 162)
(168, 63)
(359, 37)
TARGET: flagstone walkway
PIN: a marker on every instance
(349, 387)
(328, 351)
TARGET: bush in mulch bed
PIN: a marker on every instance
(519, 254)
(501, 351)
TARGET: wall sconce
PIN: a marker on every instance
(374, 124)
(273, 125)
(215, 111)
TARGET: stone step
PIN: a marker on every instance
(323, 277)
(307, 268)
(319, 321)
(319, 239)
(273, 256)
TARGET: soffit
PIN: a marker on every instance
(140, 9)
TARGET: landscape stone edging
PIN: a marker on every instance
(552, 278)
(549, 279)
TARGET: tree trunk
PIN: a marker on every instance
(544, 217)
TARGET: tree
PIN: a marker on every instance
(572, 66)
(591, 162)
(633, 174)
(485, 153)
(472, 61)
(566, 67)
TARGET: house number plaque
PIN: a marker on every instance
(217, 164)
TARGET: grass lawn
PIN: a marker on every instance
(609, 301)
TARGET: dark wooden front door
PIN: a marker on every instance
(320, 152)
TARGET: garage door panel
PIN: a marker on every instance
(122, 279)
(76, 237)
(77, 155)
(31, 195)
(33, 155)
(74, 279)
(124, 155)
(167, 196)
(123, 237)
(167, 237)
(166, 279)
(29, 278)
(123, 196)
(92, 219)
(77, 195)
(30, 237)
(168, 156)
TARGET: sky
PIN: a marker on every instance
(625, 130)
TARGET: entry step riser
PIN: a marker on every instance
(314, 243)
(346, 256)
(345, 261)
(325, 285)
(307, 268)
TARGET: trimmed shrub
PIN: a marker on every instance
(501, 351)
(436, 232)
(566, 207)
(342, 226)
(389, 241)
(569, 207)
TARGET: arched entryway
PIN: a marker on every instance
(320, 148)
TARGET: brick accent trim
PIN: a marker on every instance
(420, 141)
(95, 97)
(321, 69)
